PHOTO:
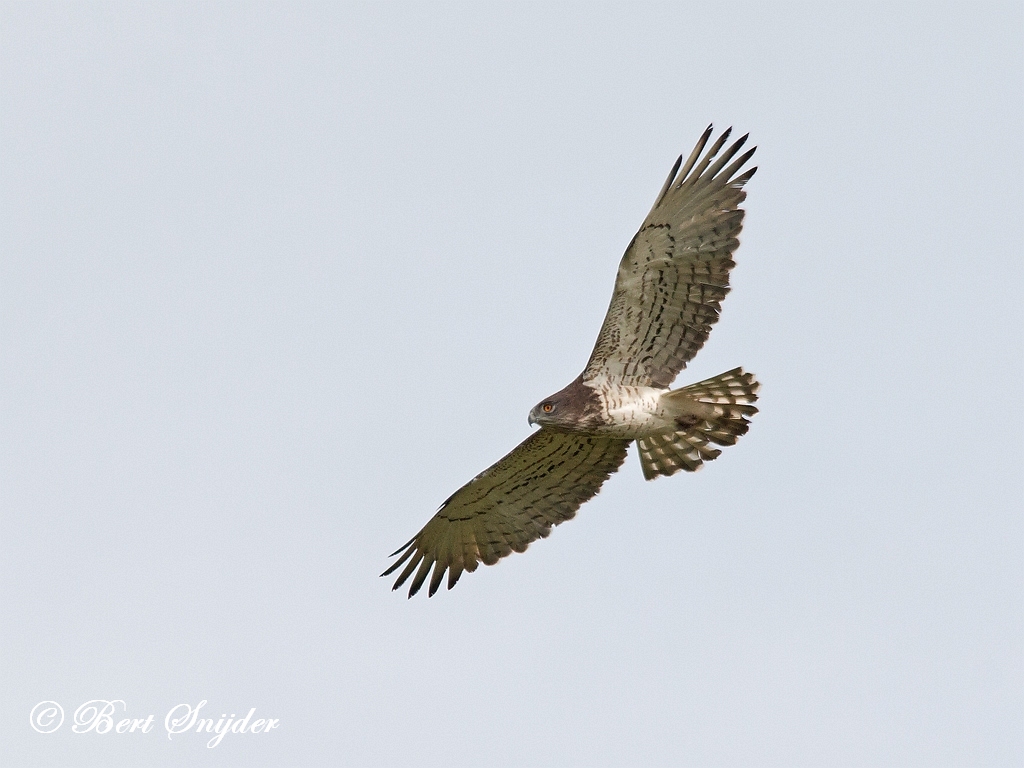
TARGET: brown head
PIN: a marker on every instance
(577, 408)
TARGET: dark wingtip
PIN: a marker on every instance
(435, 579)
(403, 547)
(394, 566)
(674, 171)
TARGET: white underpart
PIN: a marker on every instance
(635, 412)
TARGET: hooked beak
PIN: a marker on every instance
(530, 420)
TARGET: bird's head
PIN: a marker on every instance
(545, 413)
(573, 409)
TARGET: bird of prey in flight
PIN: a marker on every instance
(668, 293)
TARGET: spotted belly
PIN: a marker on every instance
(633, 412)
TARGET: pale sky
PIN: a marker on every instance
(278, 279)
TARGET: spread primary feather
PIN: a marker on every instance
(667, 295)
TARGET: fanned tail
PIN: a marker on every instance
(710, 411)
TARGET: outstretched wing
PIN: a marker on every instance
(675, 273)
(539, 484)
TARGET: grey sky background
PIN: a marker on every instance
(278, 279)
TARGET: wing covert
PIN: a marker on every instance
(541, 483)
(675, 272)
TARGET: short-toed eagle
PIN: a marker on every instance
(668, 294)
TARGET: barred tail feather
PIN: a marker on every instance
(710, 411)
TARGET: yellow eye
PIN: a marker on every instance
(547, 407)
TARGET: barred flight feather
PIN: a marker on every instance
(513, 503)
(667, 296)
(729, 398)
